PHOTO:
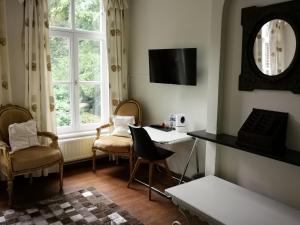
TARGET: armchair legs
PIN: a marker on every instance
(61, 174)
(94, 160)
(130, 157)
(11, 177)
(10, 190)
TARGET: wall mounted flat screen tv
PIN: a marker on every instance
(173, 66)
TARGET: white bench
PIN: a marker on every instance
(220, 202)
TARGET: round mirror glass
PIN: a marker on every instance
(274, 47)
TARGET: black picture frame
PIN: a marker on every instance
(253, 18)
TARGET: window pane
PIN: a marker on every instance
(60, 13)
(60, 58)
(62, 104)
(89, 60)
(89, 103)
(87, 15)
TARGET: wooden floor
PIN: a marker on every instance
(111, 180)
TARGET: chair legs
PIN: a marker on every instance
(94, 160)
(130, 156)
(131, 162)
(167, 169)
(137, 164)
(151, 165)
(11, 177)
(150, 178)
(61, 172)
(10, 190)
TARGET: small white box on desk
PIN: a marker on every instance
(180, 123)
(180, 120)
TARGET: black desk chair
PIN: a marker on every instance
(147, 152)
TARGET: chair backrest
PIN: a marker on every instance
(10, 114)
(129, 108)
(143, 146)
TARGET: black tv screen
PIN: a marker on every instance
(173, 66)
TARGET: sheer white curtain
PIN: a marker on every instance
(5, 88)
(39, 97)
(116, 29)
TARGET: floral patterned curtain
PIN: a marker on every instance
(276, 46)
(38, 90)
(117, 51)
(5, 88)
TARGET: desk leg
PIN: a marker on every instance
(189, 159)
(197, 161)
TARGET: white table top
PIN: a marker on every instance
(164, 137)
(226, 203)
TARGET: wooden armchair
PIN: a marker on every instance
(29, 159)
(117, 145)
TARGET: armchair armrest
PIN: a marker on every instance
(50, 135)
(4, 151)
(3, 145)
(102, 127)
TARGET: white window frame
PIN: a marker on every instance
(74, 35)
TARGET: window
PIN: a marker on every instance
(79, 64)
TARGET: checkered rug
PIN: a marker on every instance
(76, 208)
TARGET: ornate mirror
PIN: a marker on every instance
(270, 53)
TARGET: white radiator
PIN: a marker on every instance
(77, 148)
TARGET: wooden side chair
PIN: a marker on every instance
(117, 145)
(147, 152)
(28, 160)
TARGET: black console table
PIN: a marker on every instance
(289, 156)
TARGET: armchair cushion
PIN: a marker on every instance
(9, 115)
(113, 144)
(23, 135)
(34, 158)
(121, 125)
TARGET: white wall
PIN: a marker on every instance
(16, 54)
(170, 24)
(272, 178)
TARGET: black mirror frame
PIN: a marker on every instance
(253, 18)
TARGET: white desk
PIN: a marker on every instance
(220, 202)
(166, 137)
(172, 137)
